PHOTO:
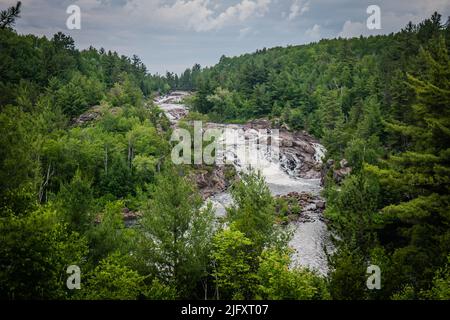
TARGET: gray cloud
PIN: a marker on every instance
(174, 34)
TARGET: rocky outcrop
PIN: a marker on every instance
(311, 207)
(259, 124)
(175, 97)
(326, 168)
(95, 113)
(338, 173)
(172, 105)
(298, 150)
(213, 180)
(129, 217)
(92, 114)
(176, 114)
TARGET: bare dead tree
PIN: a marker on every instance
(45, 183)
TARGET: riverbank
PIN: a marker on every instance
(295, 170)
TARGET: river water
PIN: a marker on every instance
(311, 238)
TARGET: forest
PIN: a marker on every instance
(380, 102)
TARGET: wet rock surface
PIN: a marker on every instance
(300, 154)
(171, 105)
(130, 217)
(295, 173)
(311, 206)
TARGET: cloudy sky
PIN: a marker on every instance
(175, 34)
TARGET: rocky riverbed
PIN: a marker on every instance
(294, 171)
(172, 105)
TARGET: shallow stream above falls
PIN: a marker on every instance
(291, 170)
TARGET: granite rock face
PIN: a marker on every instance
(300, 153)
(338, 172)
(212, 180)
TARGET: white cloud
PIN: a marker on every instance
(314, 32)
(197, 14)
(352, 29)
(298, 8)
(163, 32)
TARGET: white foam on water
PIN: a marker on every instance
(243, 151)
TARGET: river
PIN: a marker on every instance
(311, 238)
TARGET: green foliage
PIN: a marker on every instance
(8, 16)
(59, 185)
(225, 104)
(381, 102)
(239, 274)
(347, 279)
(414, 184)
(352, 208)
(19, 170)
(253, 212)
(112, 280)
(282, 207)
(78, 95)
(74, 203)
(125, 92)
(278, 282)
(109, 234)
(233, 258)
(407, 293)
(35, 253)
(360, 152)
(176, 234)
(441, 284)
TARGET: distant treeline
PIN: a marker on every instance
(66, 186)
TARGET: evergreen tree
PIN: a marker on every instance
(177, 234)
(8, 17)
(415, 184)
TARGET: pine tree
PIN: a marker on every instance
(8, 17)
(415, 184)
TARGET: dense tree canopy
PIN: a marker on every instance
(382, 103)
(83, 147)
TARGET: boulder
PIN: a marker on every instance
(340, 175)
(320, 204)
(287, 143)
(344, 163)
(325, 169)
(210, 182)
(129, 215)
(306, 147)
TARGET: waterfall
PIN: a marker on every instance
(246, 147)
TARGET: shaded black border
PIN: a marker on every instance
(148, 310)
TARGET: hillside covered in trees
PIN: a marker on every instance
(383, 104)
(66, 184)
